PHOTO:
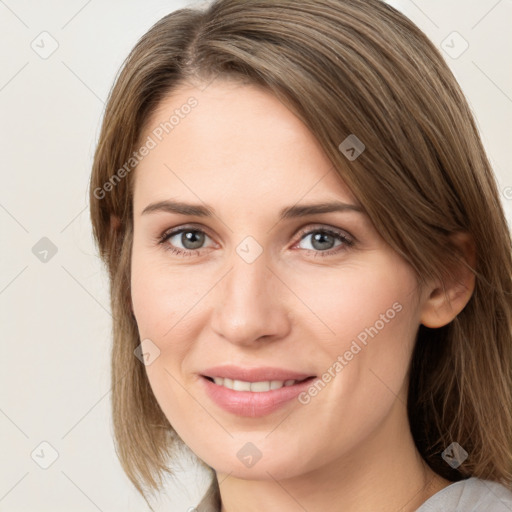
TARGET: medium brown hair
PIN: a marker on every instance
(343, 67)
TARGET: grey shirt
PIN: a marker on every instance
(470, 495)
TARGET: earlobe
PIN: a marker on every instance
(444, 303)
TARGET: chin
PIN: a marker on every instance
(271, 465)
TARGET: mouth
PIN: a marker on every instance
(255, 387)
(253, 398)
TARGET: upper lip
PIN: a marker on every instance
(262, 373)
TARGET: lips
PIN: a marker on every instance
(229, 387)
(254, 374)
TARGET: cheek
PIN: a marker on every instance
(372, 319)
(161, 295)
(163, 300)
(377, 324)
(357, 300)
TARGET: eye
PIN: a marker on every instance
(187, 241)
(324, 241)
(191, 239)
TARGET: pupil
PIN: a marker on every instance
(320, 238)
(192, 239)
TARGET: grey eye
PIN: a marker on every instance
(190, 239)
(320, 240)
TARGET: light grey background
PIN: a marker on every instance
(54, 314)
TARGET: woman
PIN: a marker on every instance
(310, 267)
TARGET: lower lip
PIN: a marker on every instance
(250, 403)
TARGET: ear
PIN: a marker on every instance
(446, 300)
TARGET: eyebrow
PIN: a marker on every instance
(289, 212)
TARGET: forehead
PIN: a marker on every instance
(238, 143)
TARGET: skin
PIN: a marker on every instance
(244, 154)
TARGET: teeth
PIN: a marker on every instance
(240, 385)
(257, 387)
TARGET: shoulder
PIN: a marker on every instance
(470, 495)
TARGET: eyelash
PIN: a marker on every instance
(347, 242)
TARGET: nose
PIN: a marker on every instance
(250, 304)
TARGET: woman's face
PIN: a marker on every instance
(287, 296)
